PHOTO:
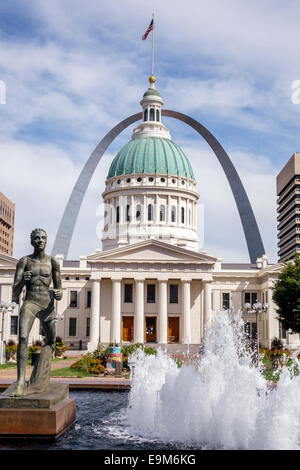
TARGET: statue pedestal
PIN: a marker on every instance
(46, 414)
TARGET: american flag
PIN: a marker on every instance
(148, 30)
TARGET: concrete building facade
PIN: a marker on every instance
(7, 221)
(288, 192)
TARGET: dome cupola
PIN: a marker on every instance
(150, 187)
(151, 104)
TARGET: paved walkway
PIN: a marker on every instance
(12, 372)
(7, 376)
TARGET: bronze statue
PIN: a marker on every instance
(36, 272)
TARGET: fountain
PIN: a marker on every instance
(222, 401)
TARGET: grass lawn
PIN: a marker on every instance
(8, 365)
(57, 359)
(69, 372)
(11, 365)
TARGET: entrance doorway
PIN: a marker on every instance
(127, 329)
(150, 329)
(173, 329)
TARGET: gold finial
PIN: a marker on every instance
(152, 79)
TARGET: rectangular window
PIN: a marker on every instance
(72, 326)
(128, 288)
(173, 293)
(247, 327)
(150, 212)
(138, 212)
(14, 321)
(73, 298)
(88, 299)
(282, 331)
(88, 326)
(150, 293)
(250, 297)
(253, 330)
(226, 300)
(128, 213)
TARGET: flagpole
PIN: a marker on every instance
(153, 45)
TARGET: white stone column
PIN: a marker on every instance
(116, 311)
(168, 211)
(195, 216)
(139, 312)
(163, 311)
(206, 304)
(273, 323)
(95, 316)
(178, 215)
(186, 311)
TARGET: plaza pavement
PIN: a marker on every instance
(7, 376)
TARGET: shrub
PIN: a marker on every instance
(90, 364)
(101, 353)
(178, 361)
(148, 351)
(276, 343)
(32, 349)
(11, 351)
(60, 347)
(129, 349)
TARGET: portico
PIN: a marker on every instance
(149, 284)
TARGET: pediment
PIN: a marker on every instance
(152, 251)
(7, 262)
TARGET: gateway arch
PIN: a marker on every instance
(251, 231)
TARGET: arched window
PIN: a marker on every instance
(182, 215)
(138, 212)
(128, 213)
(162, 213)
(157, 115)
(146, 115)
(150, 212)
(151, 114)
(118, 215)
(173, 214)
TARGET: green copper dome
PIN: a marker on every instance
(151, 91)
(151, 155)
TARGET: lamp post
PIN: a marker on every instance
(258, 309)
(5, 307)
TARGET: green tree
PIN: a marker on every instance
(286, 295)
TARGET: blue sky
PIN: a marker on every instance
(74, 69)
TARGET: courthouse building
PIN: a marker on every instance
(150, 283)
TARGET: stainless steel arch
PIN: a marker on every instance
(67, 224)
(66, 228)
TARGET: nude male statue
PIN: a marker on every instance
(36, 272)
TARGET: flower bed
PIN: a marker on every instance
(89, 364)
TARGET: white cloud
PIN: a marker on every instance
(39, 180)
(84, 68)
(224, 235)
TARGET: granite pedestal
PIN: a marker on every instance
(46, 414)
(43, 410)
